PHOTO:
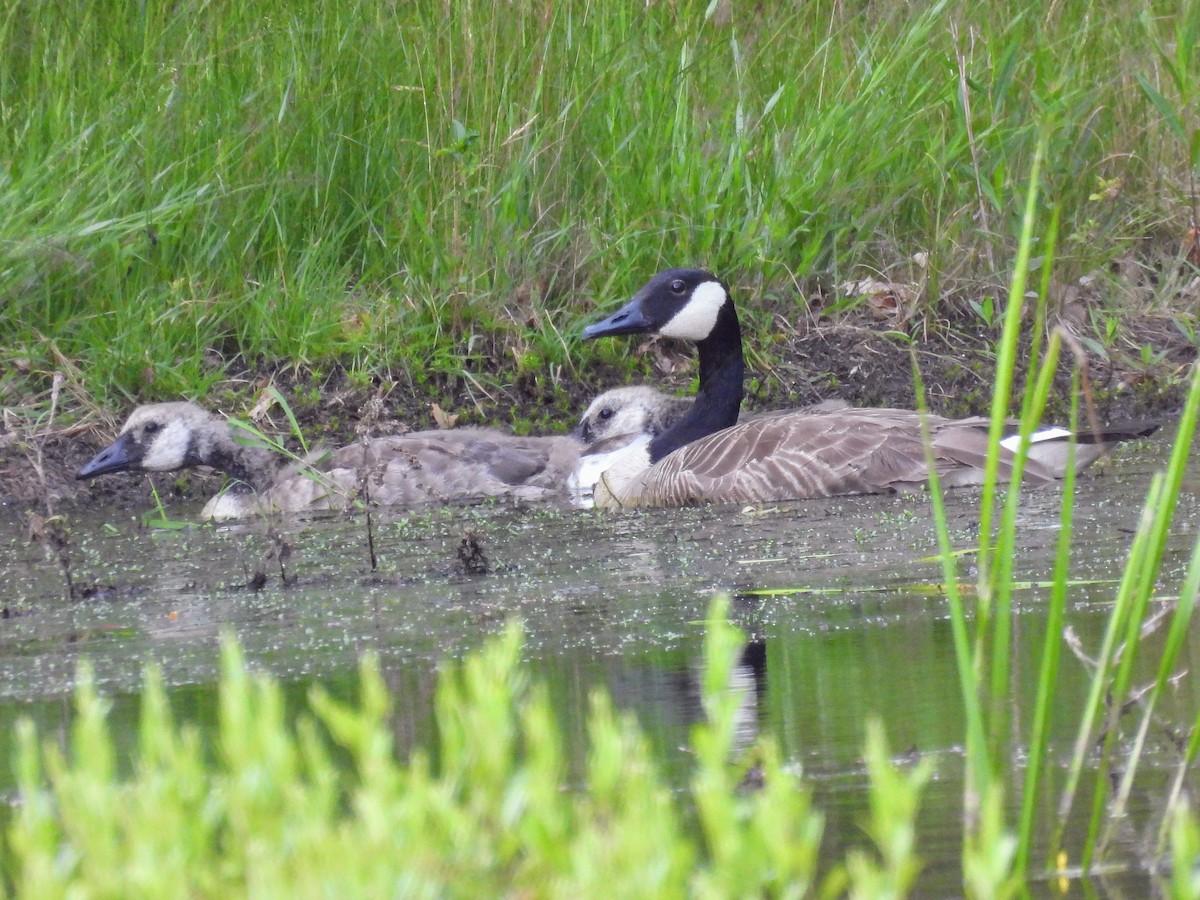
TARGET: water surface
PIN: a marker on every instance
(841, 598)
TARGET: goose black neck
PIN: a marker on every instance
(719, 399)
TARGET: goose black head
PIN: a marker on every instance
(678, 303)
(156, 438)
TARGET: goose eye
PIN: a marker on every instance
(677, 286)
(606, 413)
(151, 427)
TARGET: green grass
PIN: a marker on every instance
(430, 190)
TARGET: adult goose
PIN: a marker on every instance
(706, 457)
(410, 469)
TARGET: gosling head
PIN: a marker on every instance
(677, 303)
(158, 437)
(630, 410)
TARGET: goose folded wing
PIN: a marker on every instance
(961, 448)
(784, 457)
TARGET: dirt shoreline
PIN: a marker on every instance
(853, 360)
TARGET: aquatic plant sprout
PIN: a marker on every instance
(272, 811)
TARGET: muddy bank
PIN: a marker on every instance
(1142, 375)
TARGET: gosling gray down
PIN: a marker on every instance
(635, 410)
(411, 469)
(641, 410)
(707, 457)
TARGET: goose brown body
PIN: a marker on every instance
(820, 454)
(793, 454)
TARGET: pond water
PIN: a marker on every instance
(839, 596)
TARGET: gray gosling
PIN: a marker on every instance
(403, 470)
(641, 409)
(636, 410)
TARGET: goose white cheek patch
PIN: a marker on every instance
(696, 320)
(167, 449)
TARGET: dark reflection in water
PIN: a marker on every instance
(840, 597)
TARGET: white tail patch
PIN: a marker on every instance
(696, 320)
(1012, 443)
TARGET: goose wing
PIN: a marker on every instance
(802, 455)
(961, 447)
(790, 456)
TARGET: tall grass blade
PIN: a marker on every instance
(1006, 358)
(1033, 407)
(1177, 636)
(1099, 684)
(1039, 735)
(979, 765)
(1146, 566)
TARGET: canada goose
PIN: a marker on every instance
(795, 454)
(409, 469)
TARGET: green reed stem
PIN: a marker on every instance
(1104, 659)
(1177, 635)
(979, 766)
(1147, 566)
(1037, 332)
(1032, 408)
(1039, 736)
(1006, 360)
